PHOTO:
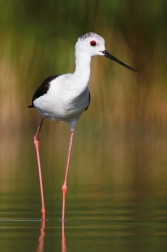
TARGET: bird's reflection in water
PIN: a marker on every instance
(40, 247)
(63, 237)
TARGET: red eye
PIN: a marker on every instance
(93, 43)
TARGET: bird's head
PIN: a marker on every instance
(92, 44)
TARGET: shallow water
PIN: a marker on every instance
(94, 222)
(116, 198)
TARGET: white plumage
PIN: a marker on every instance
(68, 96)
(63, 100)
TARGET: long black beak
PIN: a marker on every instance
(110, 56)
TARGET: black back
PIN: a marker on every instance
(43, 88)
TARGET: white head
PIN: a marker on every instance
(92, 44)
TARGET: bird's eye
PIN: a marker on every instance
(93, 43)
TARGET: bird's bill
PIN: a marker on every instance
(110, 56)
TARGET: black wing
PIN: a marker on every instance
(89, 102)
(43, 88)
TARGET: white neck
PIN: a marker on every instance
(82, 66)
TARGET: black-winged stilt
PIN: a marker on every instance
(65, 97)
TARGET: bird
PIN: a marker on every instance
(65, 97)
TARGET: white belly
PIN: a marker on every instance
(62, 105)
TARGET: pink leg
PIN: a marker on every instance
(63, 241)
(64, 187)
(36, 142)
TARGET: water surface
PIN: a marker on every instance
(96, 221)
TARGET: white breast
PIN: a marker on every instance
(65, 100)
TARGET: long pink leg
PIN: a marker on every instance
(63, 240)
(36, 142)
(64, 187)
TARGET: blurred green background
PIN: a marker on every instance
(121, 140)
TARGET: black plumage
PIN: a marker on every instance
(43, 88)
(89, 102)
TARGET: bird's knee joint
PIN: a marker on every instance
(64, 188)
(36, 140)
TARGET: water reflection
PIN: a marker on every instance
(40, 247)
(41, 239)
